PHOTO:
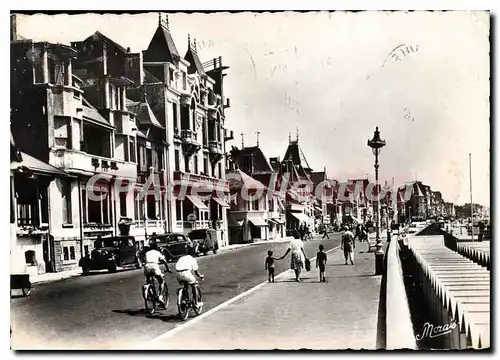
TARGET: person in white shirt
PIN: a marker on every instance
(152, 260)
(297, 262)
(186, 268)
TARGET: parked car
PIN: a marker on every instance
(110, 253)
(205, 240)
(172, 245)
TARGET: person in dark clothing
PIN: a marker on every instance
(321, 263)
(270, 266)
(325, 232)
(481, 231)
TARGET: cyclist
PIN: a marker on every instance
(187, 268)
(152, 260)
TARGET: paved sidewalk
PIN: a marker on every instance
(49, 277)
(339, 314)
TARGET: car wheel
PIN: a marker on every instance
(85, 271)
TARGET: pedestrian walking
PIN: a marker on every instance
(325, 233)
(321, 263)
(298, 259)
(270, 266)
(348, 245)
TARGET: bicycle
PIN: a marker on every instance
(185, 302)
(151, 297)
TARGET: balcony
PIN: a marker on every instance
(215, 147)
(187, 226)
(78, 162)
(142, 176)
(201, 181)
(189, 136)
(228, 135)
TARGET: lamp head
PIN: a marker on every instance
(376, 143)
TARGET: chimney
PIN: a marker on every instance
(13, 27)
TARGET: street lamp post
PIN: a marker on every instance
(377, 144)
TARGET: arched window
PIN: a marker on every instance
(30, 257)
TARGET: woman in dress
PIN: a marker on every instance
(297, 262)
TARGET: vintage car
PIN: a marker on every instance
(205, 240)
(172, 245)
(110, 253)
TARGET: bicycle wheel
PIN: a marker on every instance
(198, 309)
(165, 295)
(183, 303)
(149, 298)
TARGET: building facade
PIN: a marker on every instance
(148, 124)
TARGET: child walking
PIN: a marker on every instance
(270, 266)
(321, 263)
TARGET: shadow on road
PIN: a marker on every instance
(144, 313)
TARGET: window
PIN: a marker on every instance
(176, 159)
(196, 164)
(205, 131)
(205, 165)
(96, 211)
(62, 133)
(139, 207)
(186, 163)
(30, 257)
(123, 204)
(152, 207)
(184, 80)
(270, 204)
(220, 170)
(170, 75)
(178, 210)
(174, 117)
(255, 204)
(69, 253)
(132, 151)
(117, 99)
(66, 201)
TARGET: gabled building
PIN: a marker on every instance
(187, 98)
(253, 162)
(136, 139)
(300, 199)
(248, 213)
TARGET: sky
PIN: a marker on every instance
(335, 77)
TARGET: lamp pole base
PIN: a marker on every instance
(379, 263)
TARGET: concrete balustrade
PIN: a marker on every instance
(399, 327)
(478, 252)
(457, 290)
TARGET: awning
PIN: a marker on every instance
(301, 217)
(37, 166)
(232, 222)
(221, 202)
(256, 219)
(197, 202)
(277, 221)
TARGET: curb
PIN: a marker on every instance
(62, 277)
(240, 246)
